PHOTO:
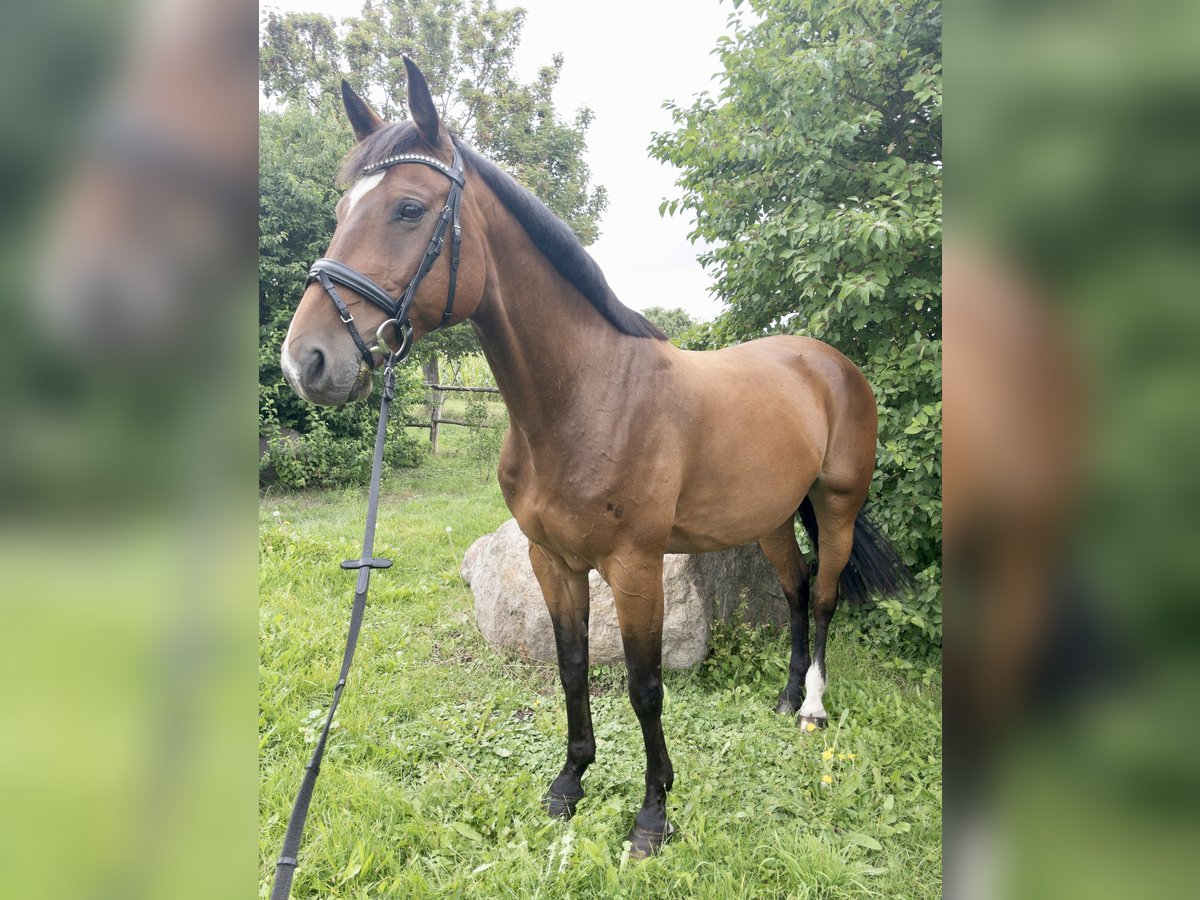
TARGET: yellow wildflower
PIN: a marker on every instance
(826, 779)
(828, 754)
(809, 726)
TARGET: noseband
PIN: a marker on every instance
(330, 272)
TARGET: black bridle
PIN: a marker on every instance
(330, 272)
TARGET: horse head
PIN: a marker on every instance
(400, 263)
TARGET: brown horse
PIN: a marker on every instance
(621, 446)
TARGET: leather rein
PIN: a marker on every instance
(330, 272)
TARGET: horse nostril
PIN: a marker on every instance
(314, 365)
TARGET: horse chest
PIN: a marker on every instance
(578, 510)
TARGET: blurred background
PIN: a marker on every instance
(128, 470)
(1072, 294)
(127, 449)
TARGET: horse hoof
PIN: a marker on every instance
(644, 843)
(560, 806)
(786, 707)
(810, 723)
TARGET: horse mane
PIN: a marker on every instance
(550, 234)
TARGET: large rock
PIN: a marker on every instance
(699, 589)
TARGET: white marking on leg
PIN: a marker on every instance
(814, 687)
(361, 189)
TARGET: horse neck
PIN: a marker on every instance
(553, 355)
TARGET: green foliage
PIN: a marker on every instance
(320, 457)
(815, 181)
(671, 322)
(465, 49)
(486, 434)
(470, 371)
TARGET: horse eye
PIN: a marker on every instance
(411, 211)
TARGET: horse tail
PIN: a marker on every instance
(875, 568)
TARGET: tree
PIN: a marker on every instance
(466, 52)
(814, 177)
(671, 322)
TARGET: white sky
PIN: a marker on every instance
(622, 59)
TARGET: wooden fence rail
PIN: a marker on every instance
(458, 387)
(439, 421)
(435, 409)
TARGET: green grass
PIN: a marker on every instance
(431, 781)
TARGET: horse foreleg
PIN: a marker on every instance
(638, 591)
(566, 593)
(790, 565)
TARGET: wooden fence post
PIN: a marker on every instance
(435, 401)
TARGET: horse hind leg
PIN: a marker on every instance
(835, 513)
(784, 554)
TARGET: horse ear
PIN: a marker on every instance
(363, 119)
(421, 106)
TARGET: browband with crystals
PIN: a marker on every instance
(455, 174)
(328, 271)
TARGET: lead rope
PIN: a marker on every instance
(285, 868)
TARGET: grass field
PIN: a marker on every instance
(431, 781)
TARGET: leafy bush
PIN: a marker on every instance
(338, 446)
(815, 181)
(486, 435)
(674, 323)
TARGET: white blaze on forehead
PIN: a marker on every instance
(361, 189)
